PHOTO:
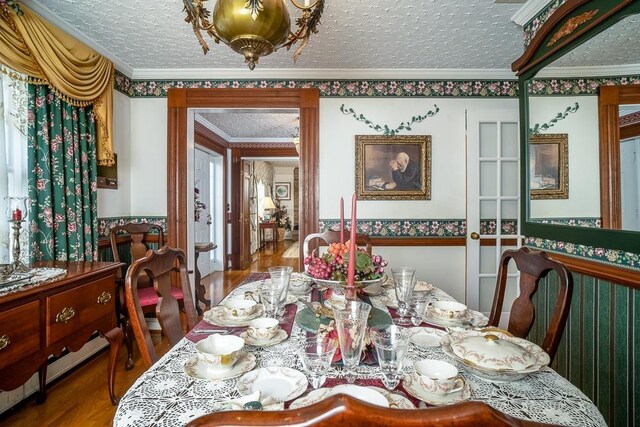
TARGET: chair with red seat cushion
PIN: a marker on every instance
(160, 268)
(130, 242)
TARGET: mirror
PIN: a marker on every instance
(563, 135)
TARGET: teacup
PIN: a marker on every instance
(299, 285)
(239, 308)
(219, 352)
(448, 309)
(438, 376)
(263, 328)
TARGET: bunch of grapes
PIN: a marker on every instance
(334, 264)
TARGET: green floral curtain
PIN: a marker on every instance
(62, 179)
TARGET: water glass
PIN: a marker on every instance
(316, 355)
(270, 299)
(391, 345)
(351, 323)
(418, 307)
(404, 282)
(280, 277)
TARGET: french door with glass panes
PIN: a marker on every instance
(493, 203)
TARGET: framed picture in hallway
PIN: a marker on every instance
(283, 190)
(393, 167)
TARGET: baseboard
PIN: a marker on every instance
(8, 399)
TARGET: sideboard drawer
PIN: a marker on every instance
(19, 333)
(71, 310)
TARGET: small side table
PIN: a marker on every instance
(274, 234)
(200, 290)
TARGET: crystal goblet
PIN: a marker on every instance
(404, 282)
(316, 355)
(391, 344)
(351, 324)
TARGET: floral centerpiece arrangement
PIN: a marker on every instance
(334, 264)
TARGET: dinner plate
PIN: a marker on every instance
(278, 382)
(413, 385)
(196, 369)
(217, 316)
(367, 394)
(425, 337)
(473, 319)
(280, 336)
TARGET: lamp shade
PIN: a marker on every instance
(267, 203)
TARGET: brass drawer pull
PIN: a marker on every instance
(4, 341)
(104, 298)
(65, 315)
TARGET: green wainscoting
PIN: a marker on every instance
(600, 349)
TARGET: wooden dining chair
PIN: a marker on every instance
(346, 411)
(533, 266)
(130, 242)
(333, 236)
(158, 267)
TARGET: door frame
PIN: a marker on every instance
(180, 100)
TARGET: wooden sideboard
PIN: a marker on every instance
(62, 313)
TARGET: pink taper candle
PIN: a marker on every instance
(341, 219)
(352, 250)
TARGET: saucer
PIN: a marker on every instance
(291, 299)
(217, 316)
(472, 319)
(425, 337)
(280, 336)
(412, 385)
(372, 395)
(244, 364)
(278, 382)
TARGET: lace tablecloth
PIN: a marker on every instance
(36, 276)
(165, 396)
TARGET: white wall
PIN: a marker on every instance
(117, 203)
(584, 163)
(149, 156)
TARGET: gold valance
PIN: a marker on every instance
(77, 73)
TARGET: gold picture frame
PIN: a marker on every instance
(393, 167)
(549, 166)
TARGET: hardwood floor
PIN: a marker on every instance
(81, 398)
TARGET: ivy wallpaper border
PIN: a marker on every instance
(607, 256)
(107, 223)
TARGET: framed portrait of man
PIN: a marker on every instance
(549, 166)
(393, 167)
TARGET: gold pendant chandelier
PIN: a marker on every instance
(254, 28)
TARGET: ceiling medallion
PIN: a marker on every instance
(254, 28)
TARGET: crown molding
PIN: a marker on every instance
(596, 71)
(322, 74)
(56, 20)
(206, 123)
(529, 11)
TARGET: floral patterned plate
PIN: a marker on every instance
(195, 369)
(394, 400)
(217, 316)
(278, 382)
(472, 319)
(280, 336)
(425, 337)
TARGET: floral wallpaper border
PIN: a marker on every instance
(607, 256)
(106, 224)
(574, 222)
(586, 86)
(335, 88)
(531, 28)
(419, 227)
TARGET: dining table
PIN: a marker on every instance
(165, 395)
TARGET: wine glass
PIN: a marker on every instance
(316, 355)
(351, 324)
(404, 282)
(391, 344)
(280, 278)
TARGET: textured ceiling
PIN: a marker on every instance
(250, 125)
(382, 34)
(617, 45)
